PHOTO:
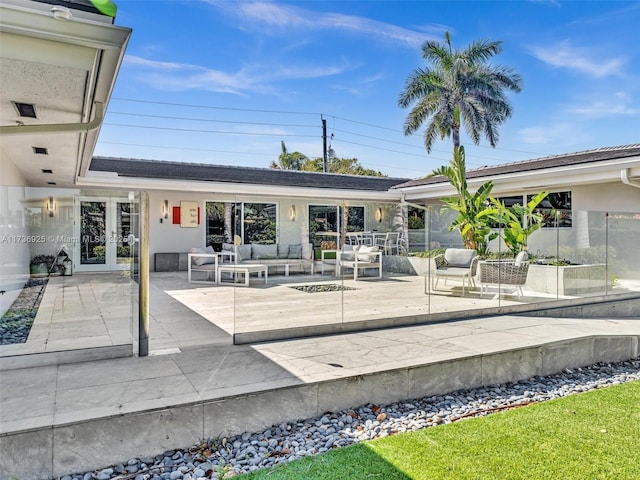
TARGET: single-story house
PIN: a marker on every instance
(58, 65)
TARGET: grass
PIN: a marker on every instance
(593, 435)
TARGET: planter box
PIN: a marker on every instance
(407, 265)
(568, 280)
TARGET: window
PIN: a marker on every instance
(325, 222)
(508, 202)
(254, 222)
(555, 209)
(219, 216)
(259, 222)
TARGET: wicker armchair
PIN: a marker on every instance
(502, 273)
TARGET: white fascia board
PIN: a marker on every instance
(565, 176)
(111, 180)
(76, 30)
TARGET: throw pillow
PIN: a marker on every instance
(283, 250)
(228, 247)
(243, 252)
(295, 251)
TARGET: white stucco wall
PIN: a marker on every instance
(611, 197)
(164, 236)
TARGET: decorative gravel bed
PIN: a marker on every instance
(331, 287)
(226, 457)
(16, 323)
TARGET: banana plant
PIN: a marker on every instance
(474, 209)
(519, 222)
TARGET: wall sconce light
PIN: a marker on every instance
(50, 206)
(379, 215)
(165, 209)
(292, 213)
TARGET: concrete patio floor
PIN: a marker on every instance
(64, 418)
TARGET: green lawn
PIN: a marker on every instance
(593, 435)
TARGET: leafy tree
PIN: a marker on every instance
(346, 166)
(458, 86)
(299, 161)
(519, 221)
(473, 220)
(289, 161)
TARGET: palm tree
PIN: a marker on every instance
(458, 86)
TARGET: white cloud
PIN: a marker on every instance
(553, 135)
(583, 60)
(181, 77)
(287, 17)
(619, 104)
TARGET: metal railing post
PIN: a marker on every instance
(143, 278)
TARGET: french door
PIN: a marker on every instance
(103, 227)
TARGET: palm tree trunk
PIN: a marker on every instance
(228, 221)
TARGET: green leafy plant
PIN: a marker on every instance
(474, 216)
(46, 259)
(518, 222)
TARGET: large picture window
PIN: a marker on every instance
(326, 222)
(254, 222)
(259, 222)
(555, 209)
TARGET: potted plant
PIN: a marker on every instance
(40, 265)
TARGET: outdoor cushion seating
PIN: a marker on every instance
(202, 260)
(510, 273)
(456, 263)
(284, 255)
(359, 257)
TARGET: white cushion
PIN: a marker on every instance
(366, 254)
(459, 257)
(521, 258)
(203, 260)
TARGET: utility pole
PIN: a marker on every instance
(325, 163)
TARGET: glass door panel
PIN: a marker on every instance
(122, 232)
(93, 228)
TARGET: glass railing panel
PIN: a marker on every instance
(623, 259)
(582, 255)
(297, 246)
(543, 275)
(69, 251)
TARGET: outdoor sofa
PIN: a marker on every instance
(298, 256)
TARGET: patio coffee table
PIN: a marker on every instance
(245, 269)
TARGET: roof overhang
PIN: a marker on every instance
(65, 67)
(113, 180)
(544, 179)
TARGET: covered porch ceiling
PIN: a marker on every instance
(65, 68)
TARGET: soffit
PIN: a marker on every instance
(62, 67)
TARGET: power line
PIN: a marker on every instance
(169, 117)
(195, 130)
(213, 107)
(166, 147)
(285, 112)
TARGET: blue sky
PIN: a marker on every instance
(225, 82)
